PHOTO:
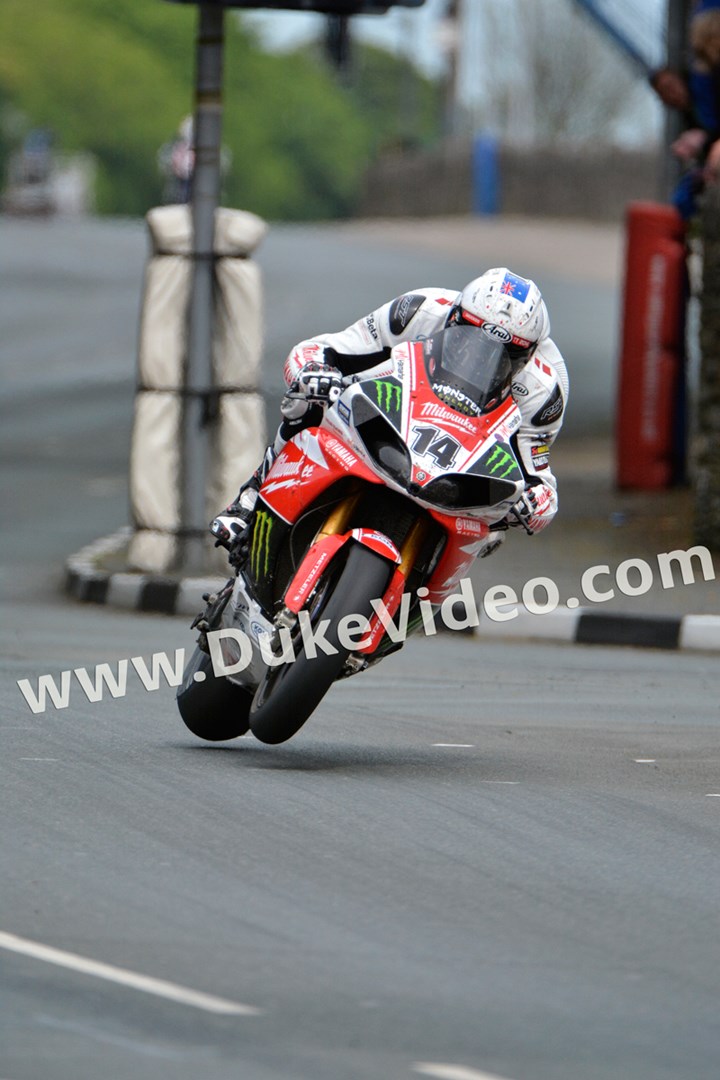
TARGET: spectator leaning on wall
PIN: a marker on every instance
(696, 94)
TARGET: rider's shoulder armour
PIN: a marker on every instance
(435, 304)
(402, 311)
(540, 388)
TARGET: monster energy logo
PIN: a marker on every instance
(499, 459)
(260, 550)
(389, 395)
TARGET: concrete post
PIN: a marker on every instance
(200, 405)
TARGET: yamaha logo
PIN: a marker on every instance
(499, 333)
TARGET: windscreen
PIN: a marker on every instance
(468, 368)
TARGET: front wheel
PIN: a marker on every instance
(211, 707)
(289, 693)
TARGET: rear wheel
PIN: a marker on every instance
(211, 707)
(289, 693)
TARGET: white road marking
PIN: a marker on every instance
(145, 983)
(713, 795)
(645, 760)
(513, 783)
(38, 759)
(459, 745)
(452, 1072)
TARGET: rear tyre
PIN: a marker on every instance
(289, 694)
(211, 707)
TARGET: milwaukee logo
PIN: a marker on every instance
(260, 551)
(438, 412)
(285, 468)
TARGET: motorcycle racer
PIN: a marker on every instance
(506, 305)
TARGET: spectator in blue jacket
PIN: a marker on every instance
(697, 95)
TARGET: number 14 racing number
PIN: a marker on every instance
(440, 446)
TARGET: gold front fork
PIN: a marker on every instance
(339, 517)
(411, 546)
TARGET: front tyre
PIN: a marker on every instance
(211, 707)
(289, 693)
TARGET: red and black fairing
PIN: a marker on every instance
(316, 474)
(430, 463)
(457, 461)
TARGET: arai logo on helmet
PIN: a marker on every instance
(499, 333)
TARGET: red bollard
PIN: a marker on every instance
(650, 382)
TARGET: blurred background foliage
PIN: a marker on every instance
(115, 79)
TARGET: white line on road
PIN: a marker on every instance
(645, 760)
(452, 1072)
(713, 795)
(145, 983)
(458, 745)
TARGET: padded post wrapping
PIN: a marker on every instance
(237, 436)
(650, 414)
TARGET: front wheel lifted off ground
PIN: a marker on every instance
(289, 693)
(212, 708)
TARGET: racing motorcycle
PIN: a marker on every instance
(363, 526)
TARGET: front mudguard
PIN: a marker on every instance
(321, 555)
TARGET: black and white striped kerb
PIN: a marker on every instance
(132, 591)
(658, 632)
(170, 596)
(590, 627)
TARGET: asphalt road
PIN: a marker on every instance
(476, 859)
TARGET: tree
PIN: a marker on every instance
(116, 80)
(542, 74)
(401, 105)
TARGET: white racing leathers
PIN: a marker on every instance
(540, 388)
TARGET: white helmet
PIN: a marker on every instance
(515, 304)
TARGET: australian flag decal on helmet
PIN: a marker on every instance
(515, 286)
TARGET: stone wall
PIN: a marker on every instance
(560, 183)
